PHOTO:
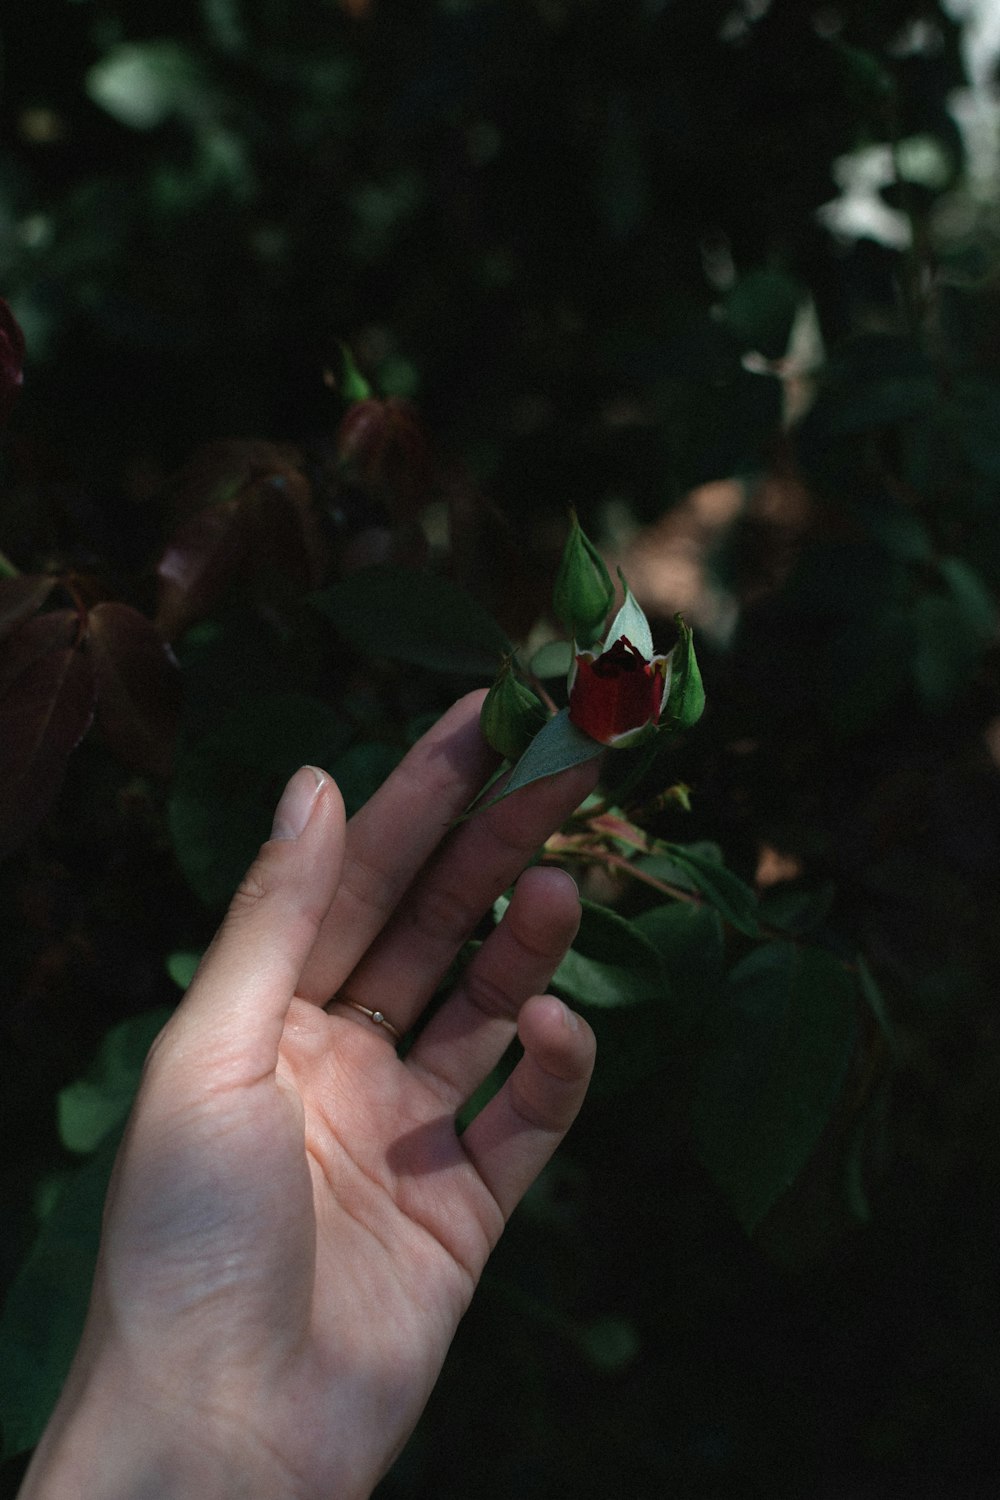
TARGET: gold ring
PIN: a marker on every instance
(375, 1016)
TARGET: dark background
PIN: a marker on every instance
(579, 235)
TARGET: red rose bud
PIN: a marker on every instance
(11, 360)
(583, 592)
(618, 697)
(383, 447)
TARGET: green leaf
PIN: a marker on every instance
(554, 659)
(691, 943)
(631, 622)
(93, 1105)
(361, 770)
(181, 967)
(875, 1000)
(797, 909)
(951, 631)
(227, 785)
(416, 617)
(766, 1090)
(555, 748)
(760, 309)
(686, 698)
(45, 1309)
(704, 872)
(611, 962)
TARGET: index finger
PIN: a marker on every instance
(391, 838)
(392, 852)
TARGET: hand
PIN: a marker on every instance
(294, 1227)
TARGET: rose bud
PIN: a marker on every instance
(11, 360)
(617, 697)
(383, 448)
(511, 714)
(583, 592)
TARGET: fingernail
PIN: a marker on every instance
(292, 813)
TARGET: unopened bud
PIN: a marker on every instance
(512, 714)
(583, 592)
(383, 448)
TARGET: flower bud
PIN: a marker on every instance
(617, 697)
(583, 592)
(383, 448)
(11, 360)
(512, 714)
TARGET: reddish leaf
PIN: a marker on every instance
(138, 687)
(46, 705)
(282, 528)
(36, 638)
(258, 518)
(219, 471)
(11, 360)
(21, 597)
(197, 564)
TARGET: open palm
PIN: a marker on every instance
(295, 1226)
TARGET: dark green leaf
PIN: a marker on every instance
(361, 770)
(875, 1000)
(182, 965)
(43, 1316)
(767, 1088)
(796, 909)
(951, 630)
(690, 942)
(611, 962)
(415, 617)
(702, 872)
(761, 308)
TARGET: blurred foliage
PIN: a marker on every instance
(316, 289)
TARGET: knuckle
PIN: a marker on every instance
(250, 892)
(493, 1000)
(443, 915)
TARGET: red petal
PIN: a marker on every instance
(617, 692)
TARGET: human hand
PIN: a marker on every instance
(294, 1228)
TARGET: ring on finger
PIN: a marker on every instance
(377, 1017)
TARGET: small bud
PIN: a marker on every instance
(583, 592)
(686, 701)
(512, 714)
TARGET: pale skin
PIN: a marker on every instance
(294, 1227)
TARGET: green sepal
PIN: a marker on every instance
(352, 384)
(631, 622)
(583, 591)
(511, 714)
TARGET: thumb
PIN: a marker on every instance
(240, 996)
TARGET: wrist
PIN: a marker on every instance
(109, 1438)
